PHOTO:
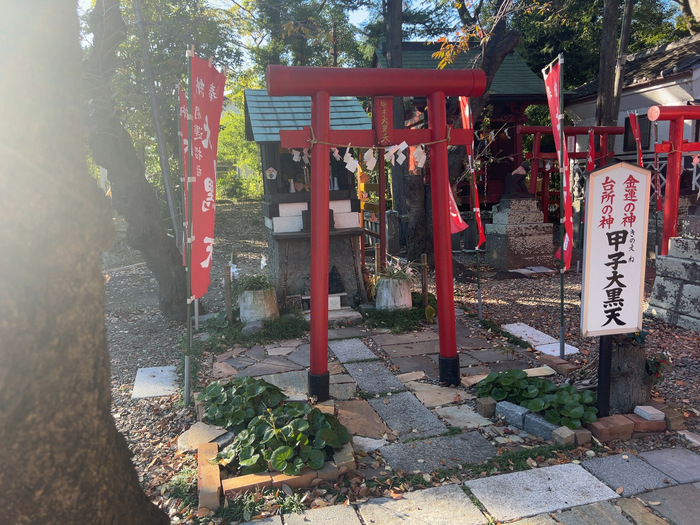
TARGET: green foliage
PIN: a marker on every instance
(250, 283)
(243, 507)
(234, 405)
(288, 326)
(399, 321)
(562, 405)
(285, 437)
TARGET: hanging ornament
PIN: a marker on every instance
(296, 155)
(305, 156)
(370, 159)
(336, 154)
(420, 156)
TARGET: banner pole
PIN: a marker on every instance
(188, 243)
(562, 214)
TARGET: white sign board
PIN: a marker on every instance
(614, 260)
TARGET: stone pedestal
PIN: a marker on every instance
(676, 294)
(518, 238)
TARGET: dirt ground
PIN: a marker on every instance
(139, 336)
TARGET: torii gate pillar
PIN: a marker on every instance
(320, 84)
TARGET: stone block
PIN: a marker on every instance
(539, 426)
(208, 477)
(486, 406)
(684, 248)
(674, 419)
(676, 268)
(646, 425)
(328, 472)
(612, 427)
(290, 223)
(512, 413)
(564, 436)
(583, 436)
(246, 483)
(346, 220)
(566, 369)
(345, 458)
(303, 480)
(649, 413)
(340, 206)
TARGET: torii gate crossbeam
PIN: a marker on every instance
(321, 84)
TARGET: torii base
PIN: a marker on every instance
(319, 386)
(449, 371)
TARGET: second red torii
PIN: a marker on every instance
(382, 84)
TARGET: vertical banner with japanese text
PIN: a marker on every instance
(468, 123)
(617, 212)
(552, 81)
(206, 97)
(182, 133)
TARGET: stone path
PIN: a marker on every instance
(385, 392)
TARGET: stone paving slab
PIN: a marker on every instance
(348, 350)
(540, 519)
(473, 343)
(444, 505)
(401, 339)
(425, 456)
(549, 489)
(679, 463)
(154, 382)
(465, 359)
(333, 515)
(463, 417)
(301, 356)
(240, 362)
(294, 382)
(373, 377)
(680, 504)
(405, 350)
(418, 363)
(509, 365)
(198, 434)
(600, 513)
(272, 520)
(271, 365)
(433, 395)
(347, 332)
(627, 471)
(554, 349)
(529, 334)
(360, 419)
(407, 417)
(491, 356)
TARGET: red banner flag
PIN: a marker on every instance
(634, 124)
(590, 162)
(468, 123)
(206, 95)
(552, 81)
(182, 133)
(457, 224)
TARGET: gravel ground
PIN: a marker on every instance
(139, 336)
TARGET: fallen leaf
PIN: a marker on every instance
(531, 462)
(654, 503)
(620, 490)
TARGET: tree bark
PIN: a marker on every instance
(691, 14)
(606, 71)
(62, 459)
(630, 385)
(113, 149)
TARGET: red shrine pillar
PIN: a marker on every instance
(440, 190)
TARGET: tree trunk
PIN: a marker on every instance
(630, 385)
(62, 459)
(113, 149)
(622, 58)
(606, 71)
(691, 14)
(417, 239)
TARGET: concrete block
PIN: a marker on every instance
(341, 206)
(208, 477)
(303, 480)
(645, 425)
(290, 223)
(684, 248)
(583, 436)
(486, 406)
(345, 458)
(564, 436)
(649, 413)
(346, 220)
(676, 268)
(288, 209)
(539, 426)
(612, 427)
(246, 483)
(512, 413)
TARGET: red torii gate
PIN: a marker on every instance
(675, 146)
(381, 84)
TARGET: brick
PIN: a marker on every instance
(303, 480)
(328, 472)
(345, 458)
(564, 436)
(566, 369)
(486, 406)
(644, 425)
(208, 477)
(246, 483)
(649, 413)
(552, 361)
(612, 427)
(583, 436)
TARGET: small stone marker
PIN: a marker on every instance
(564, 436)
(649, 413)
(486, 406)
(154, 382)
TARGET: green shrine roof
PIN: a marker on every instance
(514, 77)
(265, 116)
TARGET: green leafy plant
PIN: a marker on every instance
(656, 365)
(638, 337)
(563, 405)
(287, 438)
(234, 405)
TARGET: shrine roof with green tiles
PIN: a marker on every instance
(265, 116)
(513, 79)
